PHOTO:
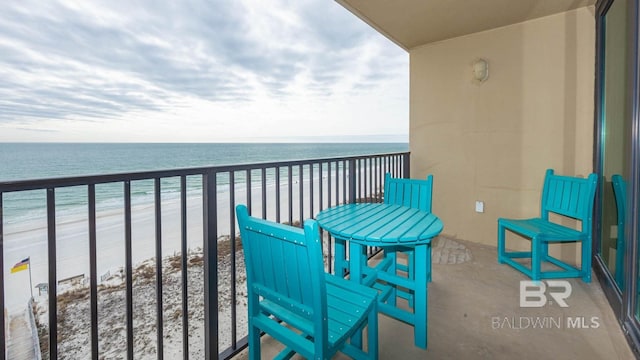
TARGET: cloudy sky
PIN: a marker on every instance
(197, 70)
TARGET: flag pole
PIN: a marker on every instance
(30, 283)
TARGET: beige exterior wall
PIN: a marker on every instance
(493, 141)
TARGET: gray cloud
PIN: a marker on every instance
(59, 62)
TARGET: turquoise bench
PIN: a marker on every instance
(571, 197)
(292, 299)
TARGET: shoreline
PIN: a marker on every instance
(72, 244)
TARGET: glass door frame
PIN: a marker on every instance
(624, 304)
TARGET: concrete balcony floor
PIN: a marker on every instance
(475, 313)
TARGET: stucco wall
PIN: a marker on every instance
(493, 141)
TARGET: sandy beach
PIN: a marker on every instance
(74, 336)
(73, 260)
(72, 245)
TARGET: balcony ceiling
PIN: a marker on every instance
(411, 23)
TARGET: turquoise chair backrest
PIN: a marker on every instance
(569, 196)
(412, 193)
(284, 266)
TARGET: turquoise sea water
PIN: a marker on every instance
(21, 161)
(24, 213)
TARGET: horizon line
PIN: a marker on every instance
(294, 139)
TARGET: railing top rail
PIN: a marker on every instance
(44, 183)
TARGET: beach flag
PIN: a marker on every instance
(22, 265)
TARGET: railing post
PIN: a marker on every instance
(185, 253)
(158, 233)
(232, 242)
(352, 181)
(210, 254)
(93, 271)
(128, 253)
(406, 161)
(277, 194)
(3, 347)
(53, 292)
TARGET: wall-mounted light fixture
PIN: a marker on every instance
(480, 70)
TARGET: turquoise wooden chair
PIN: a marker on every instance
(413, 193)
(563, 195)
(620, 193)
(286, 284)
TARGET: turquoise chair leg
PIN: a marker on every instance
(501, 246)
(254, 332)
(620, 260)
(391, 254)
(586, 260)
(410, 265)
(372, 333)
(429, 263)
(411, 272)
(254, 343)
(340, 264)
(421, 305)
(355, 274)
(536, 258)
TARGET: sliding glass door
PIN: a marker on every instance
(615, 141)
(617, 159)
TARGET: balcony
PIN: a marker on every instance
(185, 306)
(474, 313)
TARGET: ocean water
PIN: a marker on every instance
(20, 161)
(23, 161)
(24, 213)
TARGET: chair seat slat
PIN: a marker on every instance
(539, 227)
(345, 309)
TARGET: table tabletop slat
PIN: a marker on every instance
(380, 224)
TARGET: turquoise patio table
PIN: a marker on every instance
(385, 225)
